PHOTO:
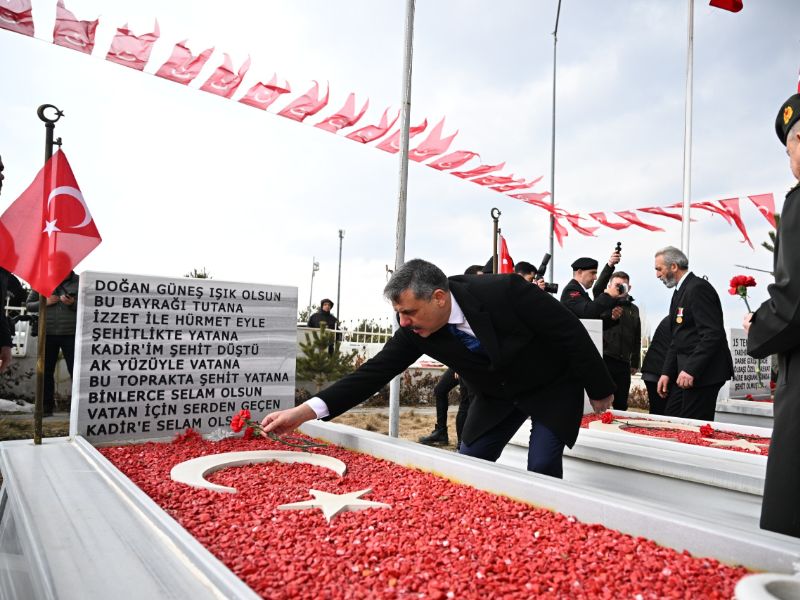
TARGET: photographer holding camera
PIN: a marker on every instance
(622, 344)
(61, 320)
(576, 293)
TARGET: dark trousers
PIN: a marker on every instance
(463, 408)
(620, 371)
(441, 392)
(545, 449)
(695, 403)
(54, 343)
(657, 403)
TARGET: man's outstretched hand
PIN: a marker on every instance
(602, 405)
(286, 421)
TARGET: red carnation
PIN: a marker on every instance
(739, 285)
(607, 418)
(237, 423)
(248, 433)
(749, 397)
(706, 430)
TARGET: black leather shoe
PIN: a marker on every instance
(437, 438)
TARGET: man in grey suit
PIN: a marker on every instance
(519, 351)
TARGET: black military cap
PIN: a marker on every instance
(787, 117)
(584, 263)
(328, 300)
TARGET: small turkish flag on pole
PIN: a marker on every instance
(505, 264)
(731, 5)
(48, 230)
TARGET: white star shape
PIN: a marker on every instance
(333, 504)
(50, 227)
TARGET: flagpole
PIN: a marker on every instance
(687, 138)
(38, 407)
(400, 238)
(553, 154)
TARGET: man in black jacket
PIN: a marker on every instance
(775, 329)
(520, 351)
(653, 364)
(698, 360)
(6, 333)
(622, 344)
(575, 295)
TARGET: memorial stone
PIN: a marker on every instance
(155, 356)
(750, 376)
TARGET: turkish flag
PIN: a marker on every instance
(574, 220)
(496, 179)
(519, 185)
(481, 170)
(560, 231)
(600, 217)
(505, 264)
(631, 217)
(433, 145)
(712, 208)
(392, 143)
(344, 117)
(71, 33)
(731, 5)
(131, 50)
(306, 105)
(537, 199)
(765, 203)
(224, 82)
(657, 210)
(262, 95)
(183, 66)
(48, 230)
(373, 132)
(16, 15)
(731, 206)
(452, 160)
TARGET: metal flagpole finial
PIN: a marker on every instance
(44, 117)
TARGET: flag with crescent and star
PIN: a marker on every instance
(48, 230)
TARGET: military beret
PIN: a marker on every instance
(584, 263)
(787, 117)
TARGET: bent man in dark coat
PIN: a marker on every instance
(517, 348)
(775, 329)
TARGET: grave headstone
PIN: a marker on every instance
(750, 376)
(155, 356)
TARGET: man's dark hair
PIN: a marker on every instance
(419, 276)
(523, 268)
(473, 270)
(620, 275)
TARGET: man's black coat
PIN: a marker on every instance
(699, 345)
(540, 358)
(775, 329)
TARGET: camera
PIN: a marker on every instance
(622, 288)
(550, 288)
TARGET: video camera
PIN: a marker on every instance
(550, 288)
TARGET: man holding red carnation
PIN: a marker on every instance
(775, 329)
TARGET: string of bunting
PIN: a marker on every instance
(183, 66)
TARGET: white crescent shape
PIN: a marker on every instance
(75, 40)
(75, 193)
(263, 97)
(192, 472)
(181, 73)
(124, 55)
(224, 85)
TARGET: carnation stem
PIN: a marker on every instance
(747, 304)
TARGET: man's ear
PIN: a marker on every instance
(439, 296)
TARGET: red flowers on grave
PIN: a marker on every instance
(607, 418)
(706, 430)
(739, 285)
(242, 420)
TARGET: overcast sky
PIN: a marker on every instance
(178, 179)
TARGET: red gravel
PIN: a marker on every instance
(690, 437)
(439, 539)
